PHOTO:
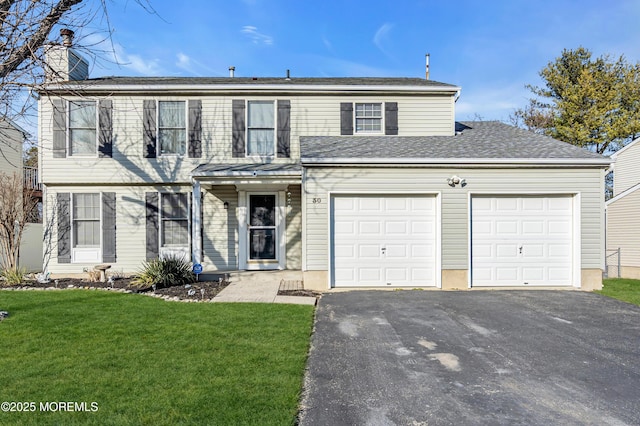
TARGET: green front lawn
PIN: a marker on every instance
(147, 361)
(623, 289)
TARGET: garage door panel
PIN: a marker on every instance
(506, 251)
(534, 251)
(509, 274)
(504, 205)
(345, 251)
(560, 228)
(483, 226)
(393, 227)
(368, 251)
(392, 235)
(521, 240)
(369, 204)
(533, 227)
(369, 275)
(533, 275)
(506, 228)
(533, 204)
(345, 227)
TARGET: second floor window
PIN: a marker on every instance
(368, 118)
(175, 220)
(172, 129)
(260, 128)
(82, 128)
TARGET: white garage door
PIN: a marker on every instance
(521, 240)
(383, 240)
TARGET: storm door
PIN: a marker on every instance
(261, 228)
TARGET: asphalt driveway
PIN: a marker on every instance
(473, 358)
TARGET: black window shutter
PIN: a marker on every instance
(149, 123)
(195, 129)
(105, 124)
(63, 201)
(108, 226)
(390, 118)
(59, 129)
(346, 118)
(152, 225)
(238, 128)
(284, 128)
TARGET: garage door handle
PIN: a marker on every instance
(520, 249)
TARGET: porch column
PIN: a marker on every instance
(196, 223)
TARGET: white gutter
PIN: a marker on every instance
(256, 173)
(250, 87)
(466, 161)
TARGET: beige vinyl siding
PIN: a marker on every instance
(623, 228)
(220, 228)
(311, 115)
(454, 202)
(10, 149)
(130, 226)
(626, 173)
(293, 232)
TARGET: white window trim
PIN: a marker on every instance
(68, 130)
(177, 250)
(186, 129)
(85, 254)
(370, 132)
(274, 104)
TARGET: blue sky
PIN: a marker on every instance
(489, 48)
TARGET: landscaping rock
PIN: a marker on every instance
(3, 315)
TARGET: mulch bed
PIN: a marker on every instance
(190, 292)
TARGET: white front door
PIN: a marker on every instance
(521, 240)
(384, 240)
(262, 231)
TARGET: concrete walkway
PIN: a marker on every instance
(261, 287)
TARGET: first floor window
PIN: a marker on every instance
(86, 220)
(368, 118)
(261, 128)
(82, 128)
(172, 128)
(175, 220)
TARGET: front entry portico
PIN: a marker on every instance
(255, 221)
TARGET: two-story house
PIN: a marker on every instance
(352, 181)
(623, 213)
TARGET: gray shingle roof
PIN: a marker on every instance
(479, 140)
(256, 81)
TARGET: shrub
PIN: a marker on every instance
(166, 272)
(13, 276)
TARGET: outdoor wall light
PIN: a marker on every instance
(456, 180)
(288, 198)
(226, 205)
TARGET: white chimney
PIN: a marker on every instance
(63, 63)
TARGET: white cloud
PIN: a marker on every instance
(381, 37)
(110, 55)
(255, 36)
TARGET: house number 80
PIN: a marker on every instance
(317, 200)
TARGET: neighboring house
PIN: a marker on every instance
(12, 138)
(623, 212)
(353, 181)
